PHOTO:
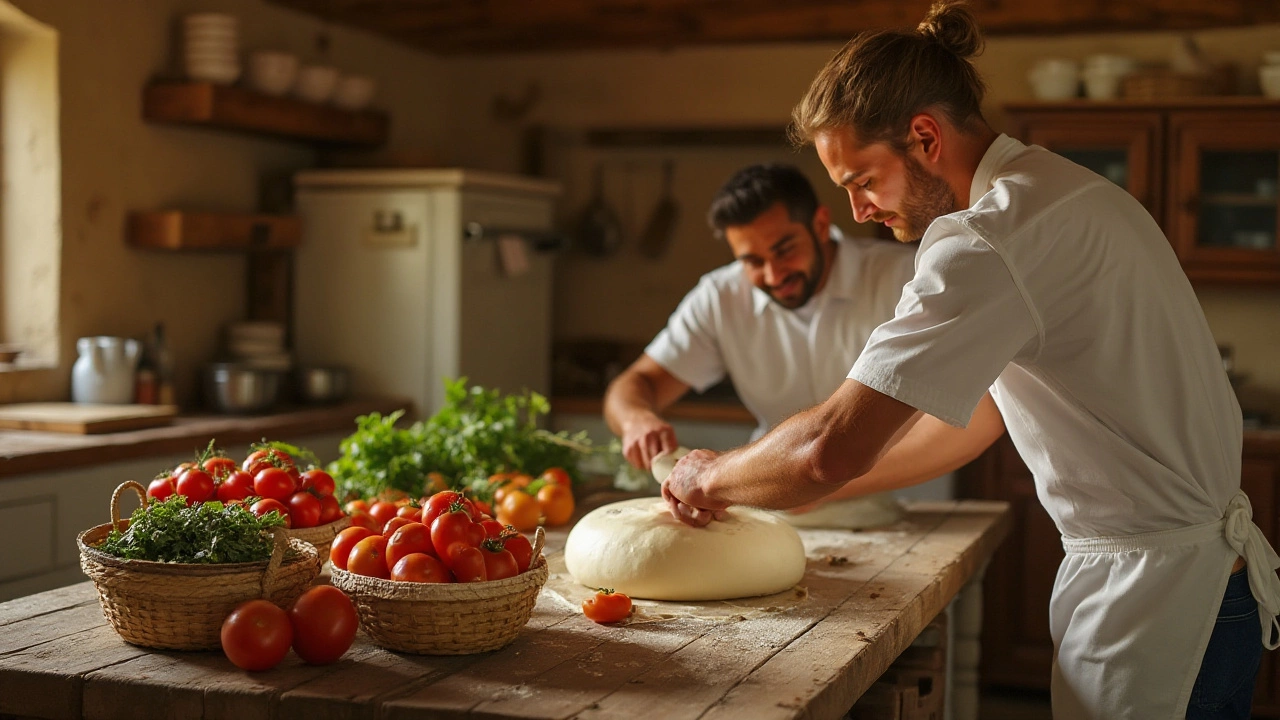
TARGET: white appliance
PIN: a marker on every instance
(401, 277)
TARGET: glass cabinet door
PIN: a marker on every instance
(1224, 197)
(1120, 146)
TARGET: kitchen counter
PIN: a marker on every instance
(869, 594)
(25, 451)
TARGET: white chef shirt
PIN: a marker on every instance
(1056, 290)
(783, 361)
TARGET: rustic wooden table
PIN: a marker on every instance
(59, 658)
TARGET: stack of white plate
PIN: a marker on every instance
(211, 47)
(259, 344)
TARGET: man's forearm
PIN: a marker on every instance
(628, 394)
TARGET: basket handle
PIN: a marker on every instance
(539, 537)
(115, 500)
(281, 540)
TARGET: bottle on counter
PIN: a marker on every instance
(146, 387)
(163, 363)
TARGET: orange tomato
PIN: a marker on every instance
(557, 476)
(520, 479)
(607, 606)
(356, 506)
(519, 510)
(556, 502)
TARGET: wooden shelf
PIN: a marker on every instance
(183, 230)
(224, 107)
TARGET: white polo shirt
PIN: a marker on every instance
(780, 361)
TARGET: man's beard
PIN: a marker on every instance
(810, 281)
(927, 198)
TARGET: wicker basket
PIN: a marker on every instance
(445, 618)
(321, 536)
(180, 606)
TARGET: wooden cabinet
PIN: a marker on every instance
(1207, 169)
(1017, 650)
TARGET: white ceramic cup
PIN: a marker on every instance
(1054, 79)
(316, 83)
(271, 72)
(1102, 84)
(353, 92)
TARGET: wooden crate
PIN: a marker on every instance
(914, 687)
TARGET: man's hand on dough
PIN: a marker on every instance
(688, 501)
(646, 438)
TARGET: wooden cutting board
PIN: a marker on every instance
(84, 419)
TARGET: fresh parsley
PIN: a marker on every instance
(208, 532)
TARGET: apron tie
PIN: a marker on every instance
(1248, 541)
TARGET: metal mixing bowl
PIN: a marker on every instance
(323, 384)
(239, 389)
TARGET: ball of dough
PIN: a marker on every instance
(637, 548)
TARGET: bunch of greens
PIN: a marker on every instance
(208, 532)
(476, 434)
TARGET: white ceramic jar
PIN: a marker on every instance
(104, 372)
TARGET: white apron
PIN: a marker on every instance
(1117, 598)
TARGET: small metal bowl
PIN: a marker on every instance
(323, 384)
(238, 389)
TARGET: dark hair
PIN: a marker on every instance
(756, 188)
(880, 79)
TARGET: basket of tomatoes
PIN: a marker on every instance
(168, 576)
(452, 581)
(268, 480)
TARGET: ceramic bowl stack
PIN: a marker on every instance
(1103, 73)
(211, 47)
(259, 345)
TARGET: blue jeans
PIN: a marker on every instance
(1224, 687)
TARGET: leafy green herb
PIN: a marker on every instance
(476, 433)
(208, 532)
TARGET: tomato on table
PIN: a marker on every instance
(324, 624)
(607, 606)
(256, 635)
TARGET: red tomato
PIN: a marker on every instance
(369, 557)
(412, 512)
(556, 476)
(160, 488)
(304, 510)
(481, 508)
(421, 567)
(499, 563)
(453, 527)
(256, 635)
(355, 505)
(195, 485)
(219, 466)
(360, 518)
(324, 624)
(466, 562)
(520, 547)
(330, 510)
(439, 504)
(317, 480)
(340, 550)
(238, 485)
(407, 539)
(259, 460)
(395, 524)
(266, 505)
(607, 606)
(492, 528)
(382, 511)
(274, 483)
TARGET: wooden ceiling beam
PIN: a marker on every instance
(497, 26)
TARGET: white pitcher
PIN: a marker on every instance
(104, 371)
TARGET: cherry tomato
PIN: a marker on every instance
(499, 563)
(340, 550)
(382, 511)
(395, 524)
(195, 485)
(556, 476)
(274, 483)
(324, 624)
(330, 510)
(161, 488)
(219, 466)
(318, 480)
(466, 562)
(519, 510)
(266, 505)
(607, 606)
(455, 526)
(408, 539)
(369, 557)
(421, 567)
(237, 485)
(256, 635)
(556, 503)
(304, 510)
(519, 547)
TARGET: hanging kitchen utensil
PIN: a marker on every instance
(599, 232)
(662, 223)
